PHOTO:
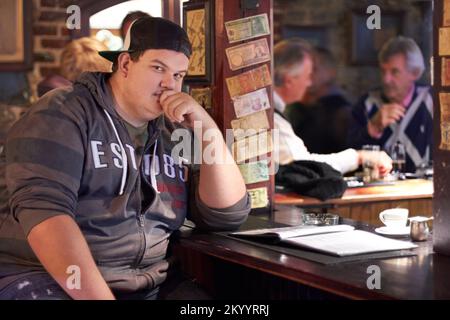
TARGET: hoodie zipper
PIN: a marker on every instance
(141, 221)
(141, 229)
(141, 215)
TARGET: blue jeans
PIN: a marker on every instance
(41, 286)
(33, 286)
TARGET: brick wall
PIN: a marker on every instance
(50, 35)
(335, 16)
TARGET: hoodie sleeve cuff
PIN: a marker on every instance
(29, 218)
(229, 218)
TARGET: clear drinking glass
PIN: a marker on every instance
(370, 169)
(398, 156)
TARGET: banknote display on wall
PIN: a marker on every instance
(252, 147)
(248, 54)
(446, 20)
(444, 41)
(202, 96)
(251, 102)
(195, 20)
(247, 28)
(445, 136)
(250, 125)
(444, 101)
(445, 72)
(249, 81)
(259, 197)
(254, 172)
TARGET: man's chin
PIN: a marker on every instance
(390, 94)
(157, 107)
(155, 110)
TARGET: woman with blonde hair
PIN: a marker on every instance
(78, 56)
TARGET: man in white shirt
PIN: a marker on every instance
(293, 68)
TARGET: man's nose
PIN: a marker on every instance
(168, 82)
(387, 77)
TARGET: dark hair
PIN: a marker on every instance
(325, 57)
(134, 56)
(130, 17)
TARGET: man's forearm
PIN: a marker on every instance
(221, 184)
(59, 243)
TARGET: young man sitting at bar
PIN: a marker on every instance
(401, 110)
(94, 191)
(293, 68)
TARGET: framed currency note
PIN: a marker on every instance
(445, 72)
(446, 20)
(15, 38)
(247, 28)
(199, 26)
(202, 96)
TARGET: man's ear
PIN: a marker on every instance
(287, 80)
(416, 74)
(123, 63)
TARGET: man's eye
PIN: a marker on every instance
(158, 68)
(178, 76)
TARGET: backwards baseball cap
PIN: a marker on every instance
(153, 33)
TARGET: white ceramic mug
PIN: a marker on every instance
(394, 218)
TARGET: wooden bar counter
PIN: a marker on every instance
(232, 269)
(365, 203)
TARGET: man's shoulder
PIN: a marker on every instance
(280, 122)
(55, 106)
(71, 101)
(424, 88)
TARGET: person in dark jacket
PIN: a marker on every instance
(401, 111)
(322, 117)
(96, 180)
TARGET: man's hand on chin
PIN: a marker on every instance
(182, 108)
